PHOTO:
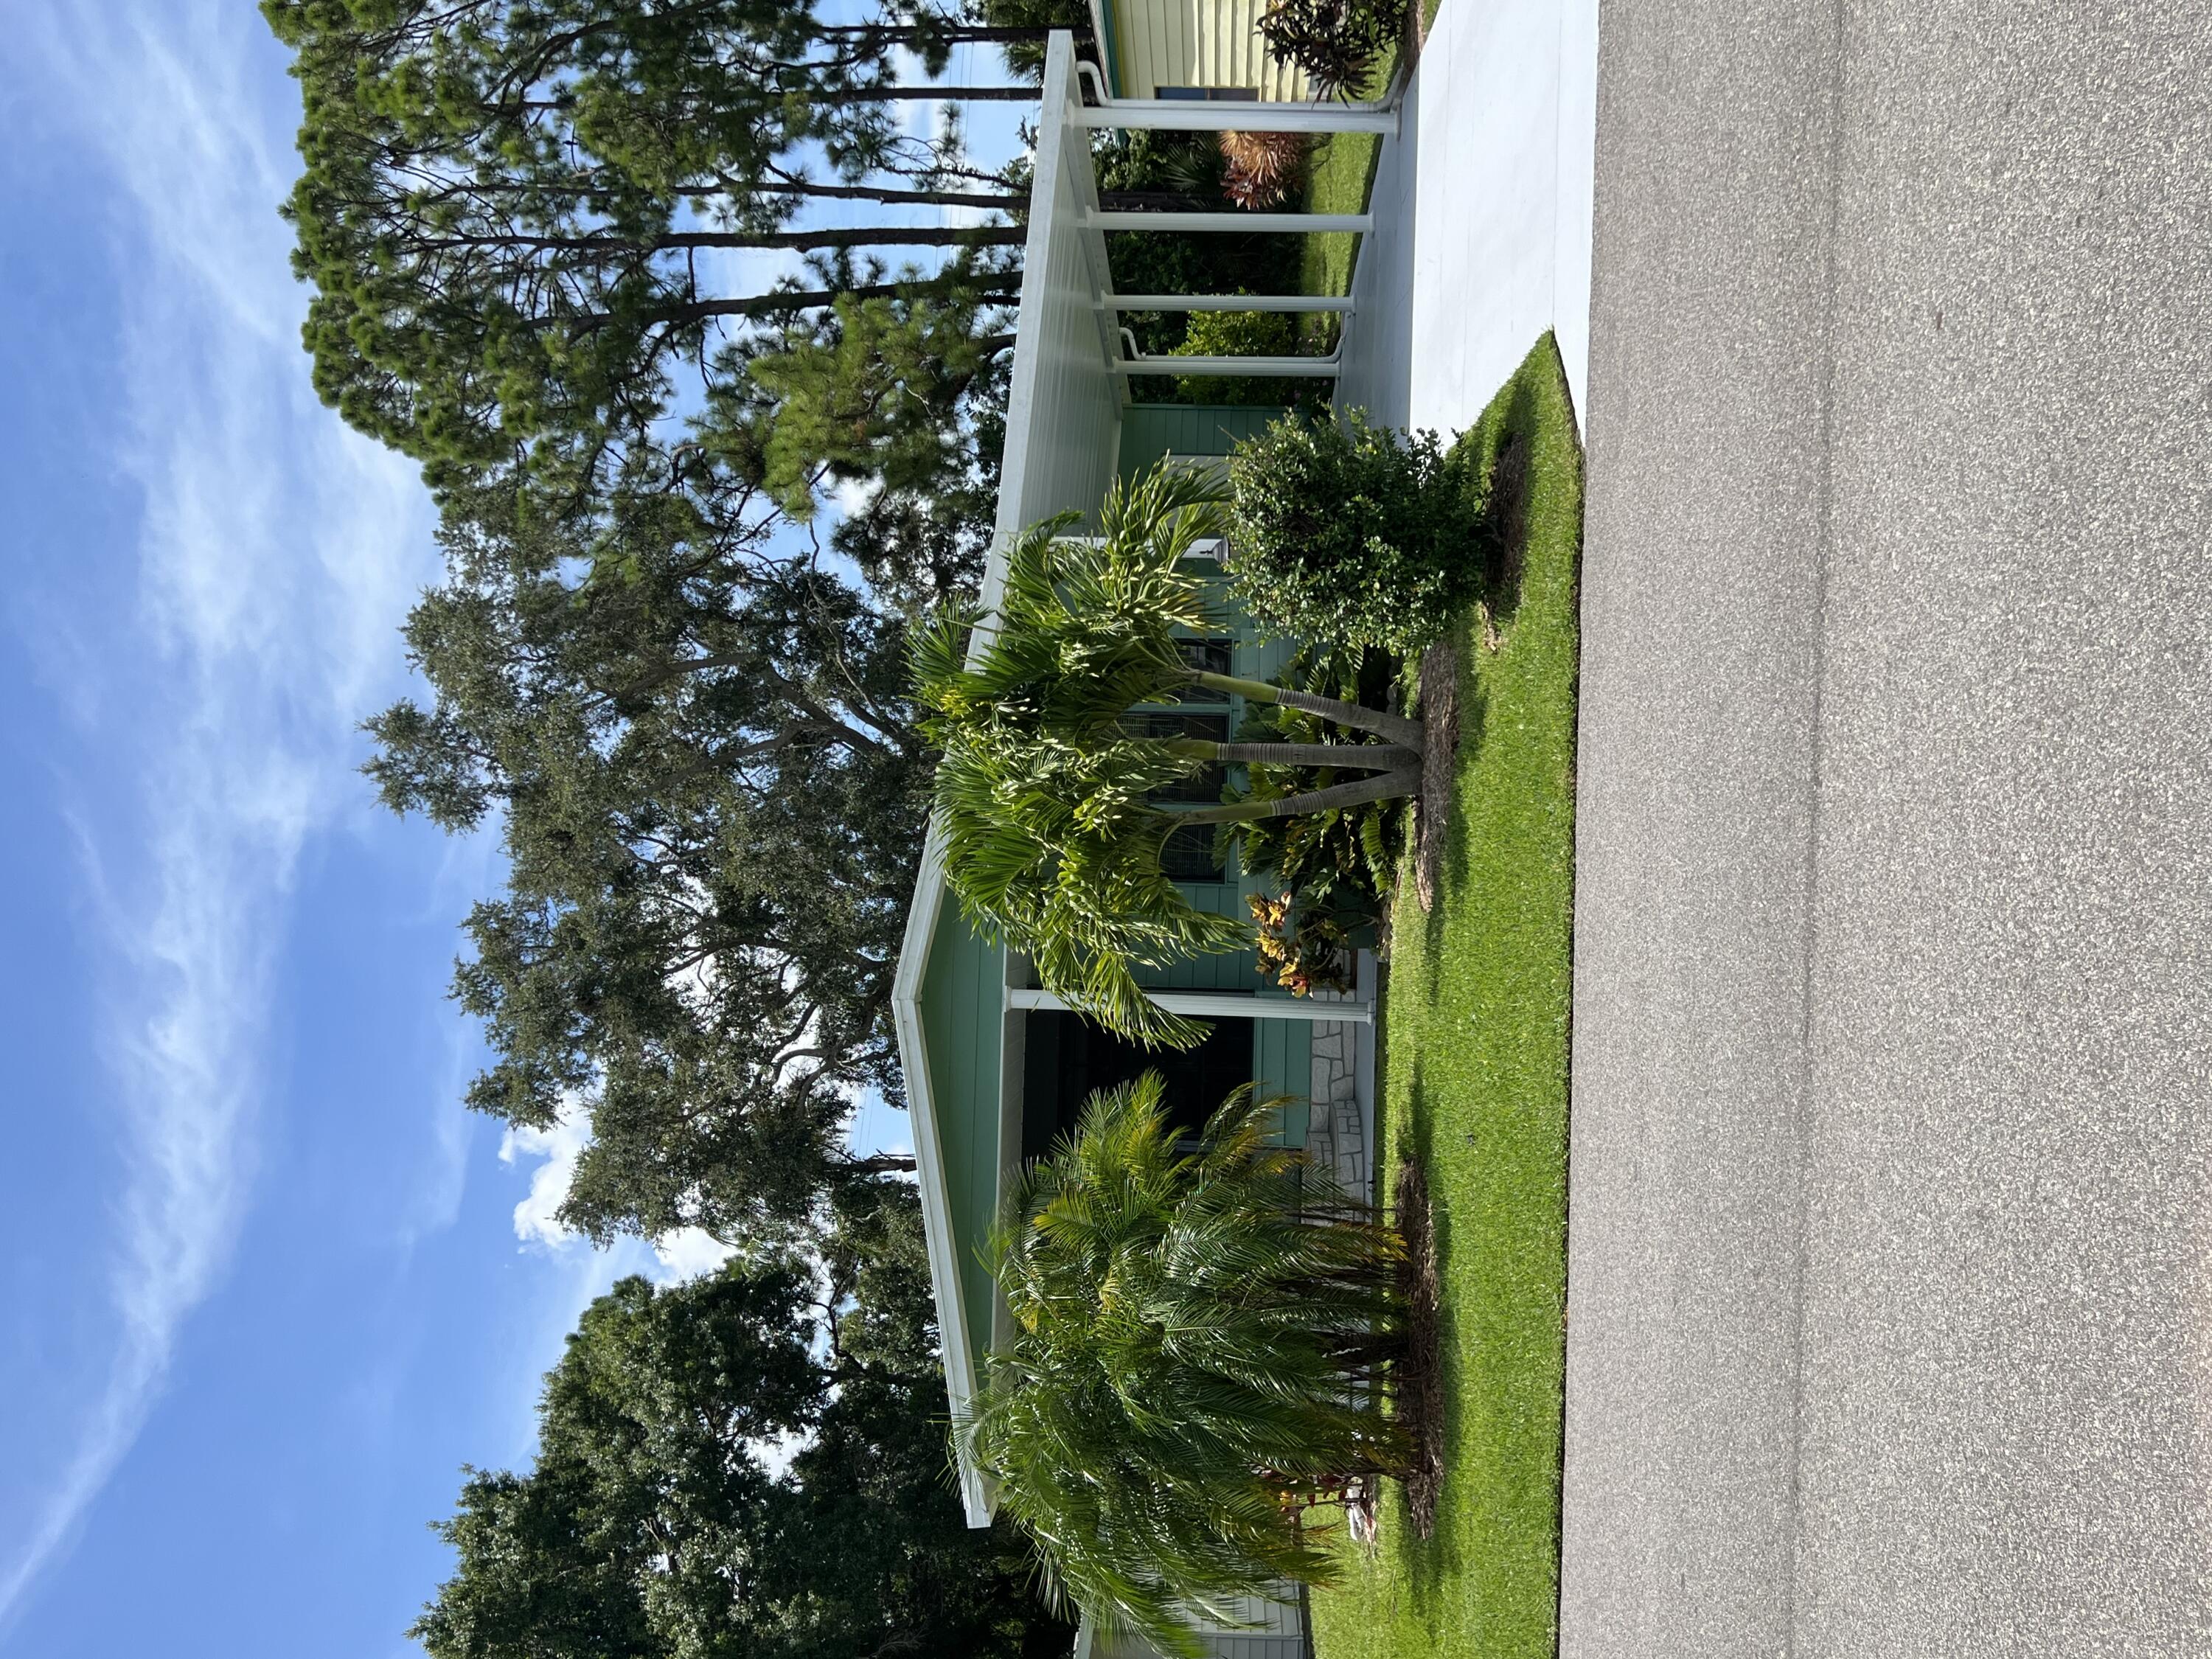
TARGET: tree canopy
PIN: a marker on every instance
(654, 1523)
(695, 746)
(681, 711)
(520, 216)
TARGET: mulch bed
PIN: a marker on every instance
(1439, 742)
(1421, 1380)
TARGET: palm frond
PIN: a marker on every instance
(1051, 843)
(1195, 1340)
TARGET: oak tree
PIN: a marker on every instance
(654, 1523)
(695, 744)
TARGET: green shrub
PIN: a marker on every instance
(1238, 334)
(1343, 535)
(1339, 44)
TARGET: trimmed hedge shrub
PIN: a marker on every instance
(1344, 535)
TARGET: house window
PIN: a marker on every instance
(1209, 95)
(1205, 786)
(1187, 855)
(1204, 657)
(1207, 656)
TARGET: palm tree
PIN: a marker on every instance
(1050, 835)
(1199, 1340)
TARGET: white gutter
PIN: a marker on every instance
(953, 1335)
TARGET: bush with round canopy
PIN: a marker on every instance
(1199, 1336)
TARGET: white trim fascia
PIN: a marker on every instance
(1022, 412)
(960, 1375)
(961, 1357)
(1099, 36)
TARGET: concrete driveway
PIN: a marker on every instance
(1890, 1327)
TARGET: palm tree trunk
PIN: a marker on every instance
(1353, 757)
(1357, 716)
(1385, 787)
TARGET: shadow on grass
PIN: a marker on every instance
(1474, 716)
(1500, 447)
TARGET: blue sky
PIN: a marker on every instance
(269, 1287)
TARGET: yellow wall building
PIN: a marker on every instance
(1192, 49)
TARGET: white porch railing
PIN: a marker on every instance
(1226, 115)
(1215, 1005)
(1076, 196)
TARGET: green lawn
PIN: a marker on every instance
(1474, 1086)
(1343, 169)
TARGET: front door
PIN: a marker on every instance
(1066, 1058)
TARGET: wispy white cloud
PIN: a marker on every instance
(552, 1154)
(274, 554)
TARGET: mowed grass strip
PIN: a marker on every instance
(1474, 1087)
(1337, 180)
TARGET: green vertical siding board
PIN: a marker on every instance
(1282, 1065)
(1151, 430)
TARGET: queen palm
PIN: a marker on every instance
(1051, 834)
(1199, 1336)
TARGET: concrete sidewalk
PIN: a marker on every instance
(1482, 206)
(1890, 1331)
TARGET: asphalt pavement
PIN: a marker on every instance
(1890, 1277)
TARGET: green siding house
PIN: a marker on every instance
(995, 1066)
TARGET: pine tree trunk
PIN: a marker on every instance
(760, 305)
(946, 94)
(890, 198)
(955, 35)
(864, 236)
